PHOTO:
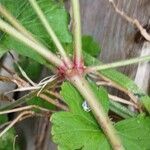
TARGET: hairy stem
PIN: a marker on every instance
(118, 64)
(14, 22)
(50, 31)
(44, 52)
(81, 84)
(77, 32)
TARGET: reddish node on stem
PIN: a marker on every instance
(79, 66)
(77, 69)
(62, 70)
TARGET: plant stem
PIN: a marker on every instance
(121, 110)
(118, 64)
(44, 52)
(77, 32)
(81, 84)
(15, 121)
(51, 33)
(14, 22)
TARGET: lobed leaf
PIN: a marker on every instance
(78, 129)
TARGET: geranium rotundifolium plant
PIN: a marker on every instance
(75, 95)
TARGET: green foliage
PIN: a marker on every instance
(135, 133)
(78, 129)
(121, 80)
(40, 102)
(7, 140)
(32, 68)
(54, 12)
(74, 129)
(90, 46)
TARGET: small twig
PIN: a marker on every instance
(121, 100)
(26, 98)
(25, 75)
(14, 142)
(77, 33)
(24, 108)
(111, 83)
(57, 95)
(15, 121)
(54, 102)
(7, 69)
(118, 64)
(135, 22)
(39, 86)
(15, 79)
(50, 31)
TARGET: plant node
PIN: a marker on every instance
(77, 69)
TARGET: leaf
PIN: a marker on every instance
(121, 80)
(7, 140)
(40, 102)
(135, 133)
(77, 128)
(74, 131)
(90, 46)
(56, 15)
(74, 100)
(32, 68)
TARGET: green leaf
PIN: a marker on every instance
(74, 131)
(7, 140)
(77, 128)
(56, 15)
(74, 100)
(32, 68)
(135, 133)
(121, 80)
(90, 46)
(40, 102)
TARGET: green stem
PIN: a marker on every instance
(50, 31)
(14, 22)
(121, 110)
(44, 52)
(77, 32)
(118, 64)
(81, 84)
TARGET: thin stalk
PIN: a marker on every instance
(121, 110)
(15, 121)
(53, 101)
(51, 33)
(118, 64)
(44, 52)
(98, 111)
(14, 22)
(24, 108)
(19, 101)
(77, 32)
